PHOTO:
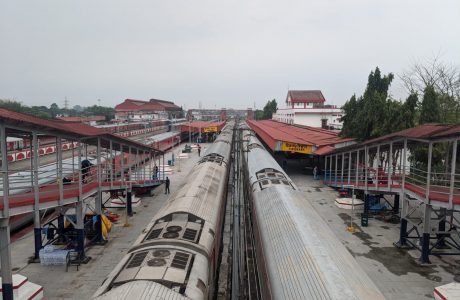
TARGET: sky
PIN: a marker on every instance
(233, 54)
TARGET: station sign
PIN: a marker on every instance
(297, 148)
(210, 129)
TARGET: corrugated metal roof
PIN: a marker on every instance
(294, 134)
(197, 125)
(424, 132)
(138, 105)
(306, 96)
(324, 150)
(29, 123)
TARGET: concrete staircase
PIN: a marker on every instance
(23, 289)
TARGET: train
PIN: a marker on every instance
(297, 254)
(176, 256)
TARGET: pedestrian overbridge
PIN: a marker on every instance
(59, 182)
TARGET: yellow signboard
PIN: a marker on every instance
(210, 129)
(298, 148)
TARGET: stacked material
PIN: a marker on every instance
(50, 256)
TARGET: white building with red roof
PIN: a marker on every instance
(140, 110)
(308, 108)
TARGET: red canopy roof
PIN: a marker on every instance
(272, 132)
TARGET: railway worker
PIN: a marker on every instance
(315, 173)
(85, 170)
(167, 182)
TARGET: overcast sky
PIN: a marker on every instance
(219, 53)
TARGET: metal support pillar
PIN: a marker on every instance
(164, 167)
(396, 204)
(366, 158)
(59, 169)
(335, 170)
(343, 165)
(330, 169)
(442, 228)
(357, 167)
(349, 167)
(452, 174)
(37, 222)
(129, 203)
(122, 165)
(80, 226)
(402, 243)
(5, 259)
(390, 164)
(428, 173)
(5, 246)
(425, 241)
(111, 164)
(98, 200)
(378, 167)
(6, 188)
(325, 169)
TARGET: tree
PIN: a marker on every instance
(108, 112)
(269, 109)
(444, 78)
(365, 116)
(430, 107)
(54, 110)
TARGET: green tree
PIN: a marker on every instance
(365, 116)
(108, 112)
(269, 109)
(429, 112)
(54, 110)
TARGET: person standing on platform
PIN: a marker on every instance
(155, 172)
(315, 173)
(167, 182)
(199, 150)
(85, 170)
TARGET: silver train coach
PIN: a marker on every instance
(298, 255)
(176, 256)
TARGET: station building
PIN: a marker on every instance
(141, 110)
(308, 108)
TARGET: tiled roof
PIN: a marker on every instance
(138, 105)
(300, 135)
(306, 96)
(168, 105)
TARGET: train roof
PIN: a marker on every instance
(305, 260)
(141, 290)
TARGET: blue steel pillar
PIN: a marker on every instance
(129, 203)
(425, 241)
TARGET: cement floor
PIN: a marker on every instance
(394, 271)
(81, 284)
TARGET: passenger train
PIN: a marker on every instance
(298, 256)
(176, 256)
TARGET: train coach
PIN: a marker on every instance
(176, 256)
(298, 255)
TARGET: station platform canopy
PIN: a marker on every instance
(21, 125)
(298, 139)
(203, 127)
